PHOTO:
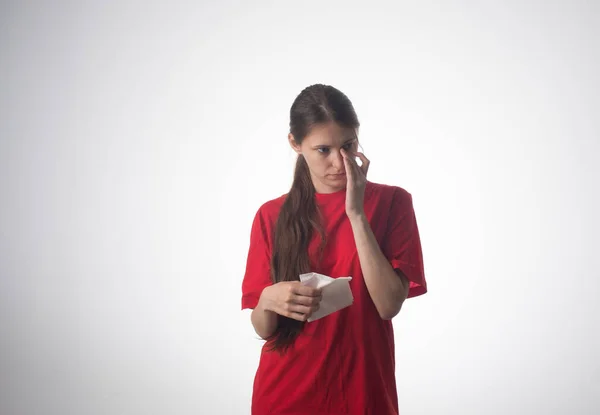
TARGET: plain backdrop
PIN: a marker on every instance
(138, 139)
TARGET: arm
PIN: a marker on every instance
(290, 299)
(388, 288)
(263, 320)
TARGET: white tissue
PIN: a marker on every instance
(336, 293)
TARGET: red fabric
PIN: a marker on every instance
(343, 363)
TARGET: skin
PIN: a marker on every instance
(323, 151)
(330, 152)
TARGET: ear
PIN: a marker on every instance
(293, 144)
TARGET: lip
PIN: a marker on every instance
(338, 176)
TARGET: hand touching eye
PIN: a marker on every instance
(356, 177)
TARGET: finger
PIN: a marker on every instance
(305, 300)
(356, 170)
(296, 316)
(350, 172)
(298, 312)
(365, 162)
(304, 290)
(360, 172)
(297, 308)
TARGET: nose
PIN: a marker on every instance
(338, 161)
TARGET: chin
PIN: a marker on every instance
(337, 184)
(339, 181)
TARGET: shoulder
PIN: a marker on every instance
(265, 219)
(269, 210)
(272, 205)
(388, 192)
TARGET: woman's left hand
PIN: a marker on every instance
(356, 177)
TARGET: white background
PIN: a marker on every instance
(137, 141)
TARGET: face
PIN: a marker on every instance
(321, 149)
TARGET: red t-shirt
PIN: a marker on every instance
(343, 363)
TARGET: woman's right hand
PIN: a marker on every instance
(291, 299)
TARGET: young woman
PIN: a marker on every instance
(334, 222)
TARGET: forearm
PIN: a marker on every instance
(263, 320)
(386, 288)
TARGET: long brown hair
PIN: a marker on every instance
(299, 216)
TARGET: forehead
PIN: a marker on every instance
(329, 134)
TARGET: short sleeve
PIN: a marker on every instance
(257, 275)
(402, 244)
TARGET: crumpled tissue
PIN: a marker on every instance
(336, 293)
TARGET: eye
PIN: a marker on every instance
(325, 150)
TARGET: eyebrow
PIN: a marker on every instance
(349, 140)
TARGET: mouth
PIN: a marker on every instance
(339, 176)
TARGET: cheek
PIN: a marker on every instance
(319, 165)
(314, 163)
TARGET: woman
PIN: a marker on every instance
(335, 222)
